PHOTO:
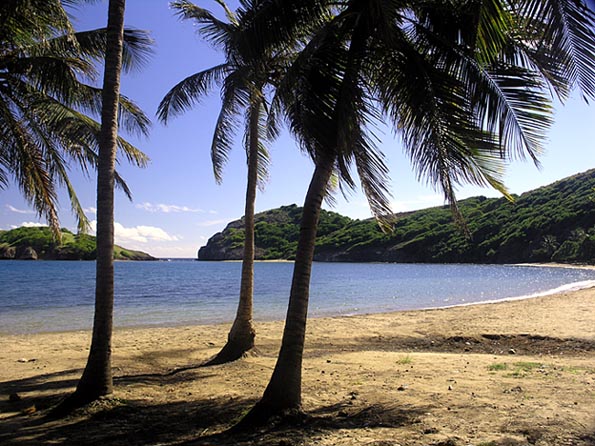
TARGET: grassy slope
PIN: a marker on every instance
(552, 223)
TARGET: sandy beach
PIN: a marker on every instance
(505, 374)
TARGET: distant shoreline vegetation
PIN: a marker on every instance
(37, 243)
(555, 223)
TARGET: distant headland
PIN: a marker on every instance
(37, 243)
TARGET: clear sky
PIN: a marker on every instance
(176, 203)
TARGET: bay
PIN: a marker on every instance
(44, 296)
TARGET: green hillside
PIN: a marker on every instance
(276, 235)
(37, 243)
(552, 223)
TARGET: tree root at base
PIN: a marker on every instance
(231, 351)
(71, 403)
(263, 414)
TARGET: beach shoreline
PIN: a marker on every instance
(78, 318)
(558, 265)
(492, 372)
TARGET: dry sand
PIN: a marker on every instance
(506, 374)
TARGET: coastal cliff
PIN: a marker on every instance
(552, 223)
(36, 243)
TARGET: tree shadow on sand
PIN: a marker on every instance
(313, 426)
(113, 421)
(207, 421)
(48, 386)
(26, 405)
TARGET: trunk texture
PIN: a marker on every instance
(284, 391)
(241, 336)
(97, 379)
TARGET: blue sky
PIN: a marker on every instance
(176, 203)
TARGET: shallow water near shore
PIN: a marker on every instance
(58, 296)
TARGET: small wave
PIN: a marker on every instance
(569, 287)
(575, 286)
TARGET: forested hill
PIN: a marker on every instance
(37, 243)
(552, 223)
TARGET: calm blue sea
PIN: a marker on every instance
(58, 296)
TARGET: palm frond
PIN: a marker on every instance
(232, 100)
(55, 76)
(121, 184)
(507, 98)
(263, 163)
(308, 91)
(133, 155)
(78, 137)
(131, 117)
(374, 178)
(43, 129)
(273, 124)
(563, 31)
(76, 132)
(211, 28)
(333, 187)
(328, 106)
(356, 118)
(190, 91)
(83, 224)
(4, 175)
(23, 23)
(231, 16)
(137, 49)
(270, 25)
(27, 164)
(433, 114)
(494, 29)
(511, 103)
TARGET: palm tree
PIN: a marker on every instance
(464, 84)
(45, 102)
(96, 380)
(243, 80)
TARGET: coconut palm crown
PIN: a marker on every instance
(47, 102)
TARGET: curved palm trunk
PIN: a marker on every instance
(97, 380)
(241, 336)
(284, 391)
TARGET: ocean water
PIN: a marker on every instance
(46, 296)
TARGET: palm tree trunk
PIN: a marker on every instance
(241, 336)
(284, 391)
(97, 379)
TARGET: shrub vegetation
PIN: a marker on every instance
(72, 246)
(552, 223)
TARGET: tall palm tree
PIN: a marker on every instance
(463, 83)
(96, 380)
(45, 101)
(243, 80)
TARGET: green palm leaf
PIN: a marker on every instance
(188, 92)
(212, 29)
(564, 34)
(44, 128)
